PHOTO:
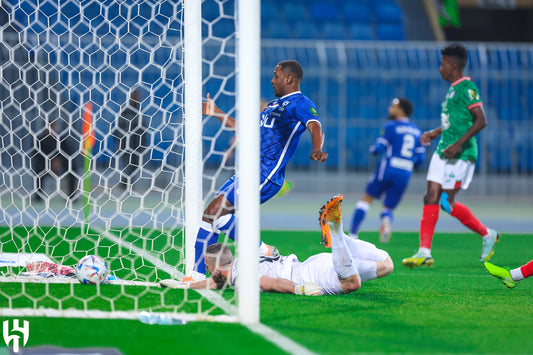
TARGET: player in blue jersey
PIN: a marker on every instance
(282, 122)
(402, 151)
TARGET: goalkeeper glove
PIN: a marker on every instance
(308, 289)
(169, 283)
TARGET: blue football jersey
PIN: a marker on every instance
(282, 123)
(400, 142)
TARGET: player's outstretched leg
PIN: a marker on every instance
(501, 273)
(330, 212)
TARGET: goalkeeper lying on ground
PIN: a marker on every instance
(341, 271)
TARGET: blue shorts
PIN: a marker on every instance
(228, 189)
(394, 186)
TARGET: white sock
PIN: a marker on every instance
(516, 274)
(488, 233)
(343, 261)
(207, 226)
(362, 205)
(263, 248)
(368, 270)
(335, 228)
(222, 221)
(352, 245)
(424, 251)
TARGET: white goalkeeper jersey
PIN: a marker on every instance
(317, 269)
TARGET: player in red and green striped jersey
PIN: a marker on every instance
(453, 163)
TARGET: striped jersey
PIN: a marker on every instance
(282, 123)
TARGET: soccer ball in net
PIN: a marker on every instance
(91, 270)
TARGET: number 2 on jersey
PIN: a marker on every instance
(407, 146)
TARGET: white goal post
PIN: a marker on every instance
(136, 198)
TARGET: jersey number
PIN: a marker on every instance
(267, 121)
(444, 121)
(407, 146)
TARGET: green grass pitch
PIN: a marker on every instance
(454, 307)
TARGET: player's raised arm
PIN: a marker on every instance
(317, 137)
(209, 108)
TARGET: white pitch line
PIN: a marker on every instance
(268, 333)
(211, 296)
(278, 339)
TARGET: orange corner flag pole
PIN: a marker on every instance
(87, 130)
(87, 133)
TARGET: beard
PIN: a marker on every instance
(219, 279)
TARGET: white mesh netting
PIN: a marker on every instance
(125, 59)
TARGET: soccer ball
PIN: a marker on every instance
(91, 270)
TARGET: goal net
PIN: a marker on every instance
(97, 157)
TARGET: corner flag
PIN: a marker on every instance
(87, 130)
(87, 133)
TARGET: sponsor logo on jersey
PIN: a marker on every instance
(313, 111)
(473, 94)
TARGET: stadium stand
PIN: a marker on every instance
(351, 82)
(350, 20)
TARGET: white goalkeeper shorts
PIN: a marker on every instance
(319, 268)
(451, 174)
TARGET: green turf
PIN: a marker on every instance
(453, 307)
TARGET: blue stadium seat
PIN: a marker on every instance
(390, 32)
(524, 150)
(375, 3)
(277, 29)
(324, 12)
(388, 13)
(356, 12)
(334, 30)
(361, 31)
(294, 11)
(499, 152)
(268, 11)
(306, 30)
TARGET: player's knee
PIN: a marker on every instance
(388, 267)
(431, 198)
(351, 284)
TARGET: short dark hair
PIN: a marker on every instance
(458, 52)
(219, 255)
(293, 68)
(406, 106)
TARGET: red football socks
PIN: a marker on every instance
(463, 214)
(527, 269)
(430, 215)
